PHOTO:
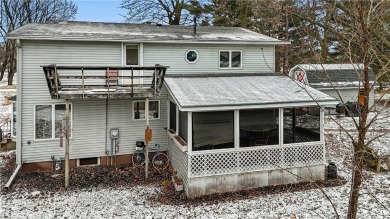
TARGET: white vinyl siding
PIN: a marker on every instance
(254, 59)
(90, 134)
(35, 91)
(90, 127)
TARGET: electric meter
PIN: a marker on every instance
(114, 133)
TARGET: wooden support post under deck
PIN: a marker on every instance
(147, 142)
(67, 133)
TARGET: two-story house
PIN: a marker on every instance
(241, 125)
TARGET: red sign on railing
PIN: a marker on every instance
(112, 75)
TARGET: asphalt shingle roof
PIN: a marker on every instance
(317, 73)
(99, 31)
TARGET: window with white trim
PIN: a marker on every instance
(131, 55)
(45, 126)
(192, 56)
(139, 109)
(230, 59)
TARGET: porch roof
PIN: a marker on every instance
(237, 91)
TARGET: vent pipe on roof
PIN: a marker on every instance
(194, 26)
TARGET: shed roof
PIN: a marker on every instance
(211, 92)
(345, 75)
(98, 31)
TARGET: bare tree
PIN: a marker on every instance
(172, 12)
(16, 13)
(362, 32)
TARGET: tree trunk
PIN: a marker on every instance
(10, 77)
(356, 183)
(362, 129)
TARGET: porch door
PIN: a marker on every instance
(131, 54)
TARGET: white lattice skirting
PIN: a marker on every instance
(249, 160)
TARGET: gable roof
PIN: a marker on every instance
(98, 31)
(225, 91)
(320, 75)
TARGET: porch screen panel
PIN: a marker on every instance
(213, 130)
(172, 116)
(183, 125)
(301, 124)
(259, 127)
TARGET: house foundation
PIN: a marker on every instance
(49, 165)
(241, 181)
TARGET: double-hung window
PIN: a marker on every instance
(230, 59)
(131, 58)
(49, 121)
(139, 109)
(131, 55)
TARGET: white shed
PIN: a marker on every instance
(341, 81)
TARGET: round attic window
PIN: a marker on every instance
(191, 56)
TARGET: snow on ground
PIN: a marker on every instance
(133, 203)
(5, 155)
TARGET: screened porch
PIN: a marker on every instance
(224, 142)
(227, 133)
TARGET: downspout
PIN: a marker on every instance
(19, 69)
(106, 141)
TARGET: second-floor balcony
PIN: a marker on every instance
(84, 82)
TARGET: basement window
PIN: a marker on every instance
(88, 161)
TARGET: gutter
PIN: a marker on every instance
(11, 179)
(170, 41)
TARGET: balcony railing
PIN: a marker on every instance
(82, 82)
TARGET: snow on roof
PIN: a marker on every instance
(219, 91)
(341, 66)
(99, 31)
